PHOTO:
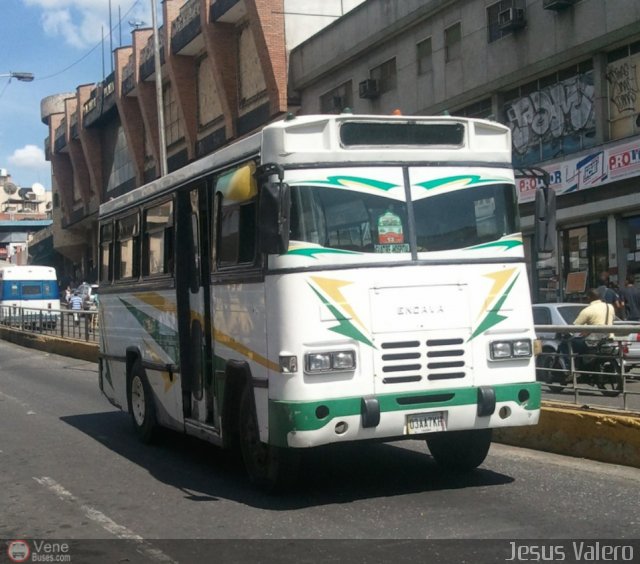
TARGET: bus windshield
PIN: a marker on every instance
(364, 222)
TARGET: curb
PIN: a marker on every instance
(597, 434)
(594, 433)
(64, 347)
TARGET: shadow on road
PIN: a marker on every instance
(333, 474)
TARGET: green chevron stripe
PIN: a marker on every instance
(507, 244)
(312, 251)
(165, 336)
(472, 180)
(343, 182)
(493, 317)
(344, 327)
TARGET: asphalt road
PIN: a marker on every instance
(71, 468)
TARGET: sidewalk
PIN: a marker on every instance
(607, 435)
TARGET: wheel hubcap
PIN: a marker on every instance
(137, 400)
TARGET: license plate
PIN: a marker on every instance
(418, 423)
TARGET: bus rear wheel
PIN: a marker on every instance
(270, 468)
(141, 405)
(460, 451)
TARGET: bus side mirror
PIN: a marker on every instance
(545, 220)
(274, 204)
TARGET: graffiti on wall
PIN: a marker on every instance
(553, 112)
(623, 86)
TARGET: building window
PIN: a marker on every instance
(481, 109)
(209, 106)
(173, 124)
(552, 116)
(424, 56)
(122, 166)
(386, 76)
(452, 42)
(336, 100)
(494, 31)
(623, 91)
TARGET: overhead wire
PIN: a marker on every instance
(58, 73)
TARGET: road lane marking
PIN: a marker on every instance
(105, 522)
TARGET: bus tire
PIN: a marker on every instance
(460, 451)
(270, 468)
(141, 405)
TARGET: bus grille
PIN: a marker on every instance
(401, 362)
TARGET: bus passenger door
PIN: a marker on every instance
(192, 290)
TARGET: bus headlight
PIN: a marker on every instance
(502, 350)
(332, 361)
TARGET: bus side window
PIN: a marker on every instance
(106, 253)
(157, 247)
(128, 248)
(236, 242)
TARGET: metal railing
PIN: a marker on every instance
(79, 325)
(604, 370)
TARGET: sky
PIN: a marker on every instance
(64, 44)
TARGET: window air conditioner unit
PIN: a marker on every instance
(511, 19)
(369, 88)
(557, 5)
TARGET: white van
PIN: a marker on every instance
(29, 295)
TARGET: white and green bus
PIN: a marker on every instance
(328, 279)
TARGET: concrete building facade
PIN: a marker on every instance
(561, 73)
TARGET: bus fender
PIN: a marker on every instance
(237, 376)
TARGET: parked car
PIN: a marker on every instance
(565, 314)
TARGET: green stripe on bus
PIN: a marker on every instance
(288, 416)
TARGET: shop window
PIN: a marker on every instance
(630, 233)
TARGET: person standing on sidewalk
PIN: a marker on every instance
(75, 303)
(631, 296)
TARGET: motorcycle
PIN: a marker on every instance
(598, 367)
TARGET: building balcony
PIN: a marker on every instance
(227, 11)
(147, 64)
(92, 108)
(128, 78)
(108, 93)
(185, 29)
(60, 136)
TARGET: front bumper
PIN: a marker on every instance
(301, 424)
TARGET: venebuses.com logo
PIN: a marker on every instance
(38, 551)
(18, 551)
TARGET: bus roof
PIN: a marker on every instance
(27, 272)
(343, 140)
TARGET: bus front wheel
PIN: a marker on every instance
(460, 451)
(270, 468)
(141, 406)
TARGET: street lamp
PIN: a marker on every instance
(23, 76)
